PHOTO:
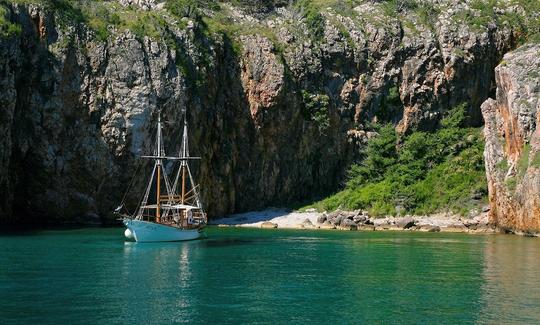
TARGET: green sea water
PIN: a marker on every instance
(236, 276)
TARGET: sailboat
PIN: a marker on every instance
(168, 212)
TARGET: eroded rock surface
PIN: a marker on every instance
(512, 150)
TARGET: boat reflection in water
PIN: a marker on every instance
(168, 272)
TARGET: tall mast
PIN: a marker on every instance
(158, 165)
(184, 154)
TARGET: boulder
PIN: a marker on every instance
(334, 214)
(337, 220)
(322, 218)
(359, 219)
(307, 224)
(426, 228)
(455, 228)
(433, 229)
(405, 222)
(381, 221)
(347, 223)
(269, 225)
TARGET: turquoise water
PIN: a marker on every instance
(269, 276)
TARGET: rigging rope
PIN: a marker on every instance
(139, 164)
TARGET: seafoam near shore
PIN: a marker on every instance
(355, 220)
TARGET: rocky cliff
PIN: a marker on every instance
(512, 152)
(279, 101)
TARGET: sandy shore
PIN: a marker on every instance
(355, 220)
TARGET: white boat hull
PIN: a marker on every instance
(147, 232)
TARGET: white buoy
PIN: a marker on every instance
(128, 234)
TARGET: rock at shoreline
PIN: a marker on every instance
(359, 219)
(349, 227)
(387, 227)
(366, 227)
(347, 223)
(327, 225)
(433, 229)
(337, 220)
(405, 223)
(427, 228)
(322, 218)
(269, 225)
(307, 224)
(455, 228)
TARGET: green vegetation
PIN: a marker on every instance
(535, 162)
(426, 173)
(212, 17)
(393, 7)
(527, 158)
(523, 161)
(7, 28)
(522, 15)
(314, 20)
(502, 165)
(390, 105)
(316, 109)
(511, 184)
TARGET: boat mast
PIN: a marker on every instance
(184, 154)
(158, 166)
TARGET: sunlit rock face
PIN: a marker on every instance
(277, 116)
(512, 151)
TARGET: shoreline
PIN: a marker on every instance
(276, 218)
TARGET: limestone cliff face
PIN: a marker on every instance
(512, 151)
(275, 119)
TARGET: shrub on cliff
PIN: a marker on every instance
(7, 28)
(421, 173)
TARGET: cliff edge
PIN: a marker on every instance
(512, 151)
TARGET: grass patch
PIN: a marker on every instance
(314, 20)
(523, 161)
(511, 184)
(428, 172)
(535, 162)
(502, 165)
